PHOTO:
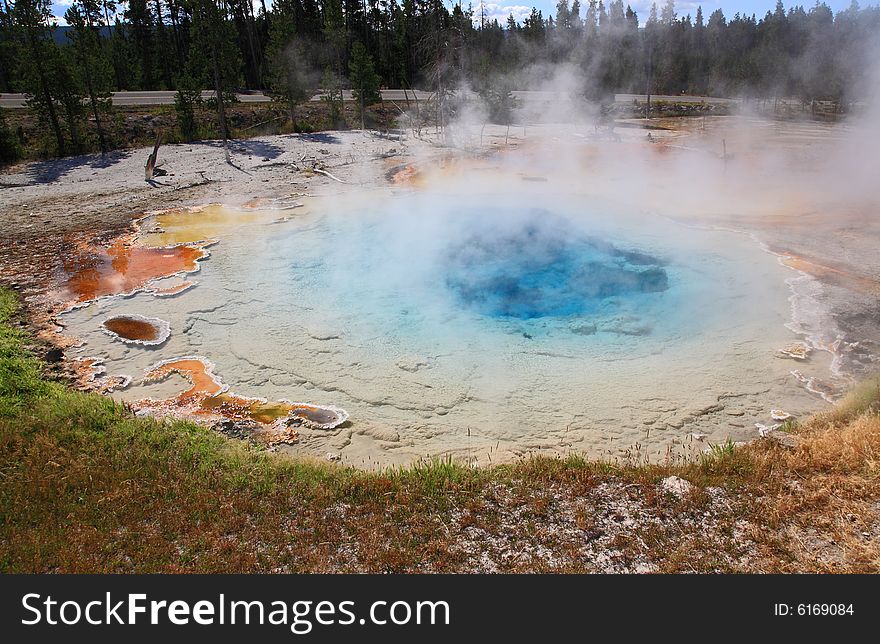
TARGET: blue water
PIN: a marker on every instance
(544, 267)
(412, 278)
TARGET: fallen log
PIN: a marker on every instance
(327, 174)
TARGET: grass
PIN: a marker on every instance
(87, 487)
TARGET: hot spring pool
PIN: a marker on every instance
(481, 328)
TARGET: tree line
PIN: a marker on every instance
(298, 46)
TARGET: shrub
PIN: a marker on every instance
(10, 150)
(185, 102)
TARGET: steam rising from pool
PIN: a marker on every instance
(480, 327)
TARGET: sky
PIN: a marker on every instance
(520, 9)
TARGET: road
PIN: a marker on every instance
(14, 101)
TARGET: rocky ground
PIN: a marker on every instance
(49, 207)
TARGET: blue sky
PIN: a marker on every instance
(501, 8)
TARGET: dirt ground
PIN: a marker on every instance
(49, 207)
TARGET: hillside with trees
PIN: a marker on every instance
(296, 47)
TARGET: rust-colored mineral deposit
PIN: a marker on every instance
(124, 268)
(207, 396)
(136, 329)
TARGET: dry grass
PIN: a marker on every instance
(823, 497)
(85, 487)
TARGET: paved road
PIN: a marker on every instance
(396, 95)
(629, 98)
(135, 98)
(167, 98)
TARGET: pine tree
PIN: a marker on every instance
(289, 78)
(38, 59)
(108, 7)
(85, 19)
(68, 90)
(533, 27)
(364, 80)
(186, 100)
(10, 150)
(499, 100)
(122, 58)
(332, 98)
(7, 47)
(214, 57)
(563, 15)
(251, 44)
(814, 53)
(140, 26)
(163, 50)
(334, 34)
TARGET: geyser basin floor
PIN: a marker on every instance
(482, 328)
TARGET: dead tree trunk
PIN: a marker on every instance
(93, 100)
(47, 96)
(150, 169)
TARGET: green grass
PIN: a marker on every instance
(85, 486)
(74, 464)
(20, 378)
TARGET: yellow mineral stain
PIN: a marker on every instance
(796, 350)
(209, 222)
(442, 167)
(236, 407)
(174, 290)
(407, 175)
